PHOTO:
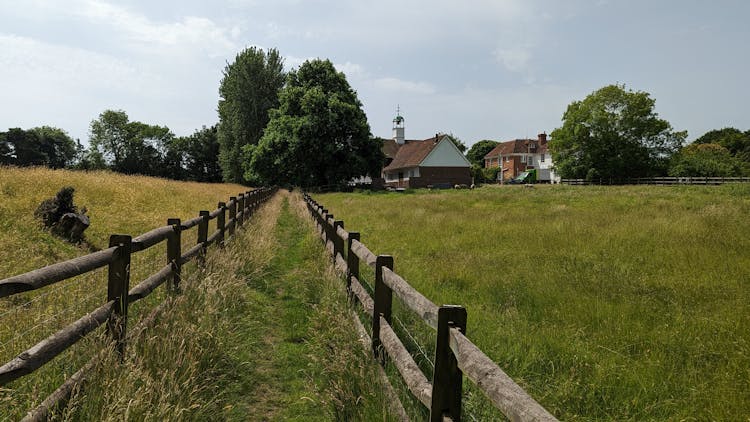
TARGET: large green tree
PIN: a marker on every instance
(132, 147)
(318, 135)
(613, 133)
(248, 90)
(476, 153)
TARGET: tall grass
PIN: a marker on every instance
(116, 204)
(261, 334)
(624, 303)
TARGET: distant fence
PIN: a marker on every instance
(455, 354)
(662, 181)
(114, 311)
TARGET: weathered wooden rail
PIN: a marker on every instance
(661, 181)
(455, 355)
(114, 311)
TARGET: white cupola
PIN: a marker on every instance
(398, 127)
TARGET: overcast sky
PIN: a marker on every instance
(480, 69)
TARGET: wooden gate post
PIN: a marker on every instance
(352, 264)
(232, 215)
(220, 223)
(203, 236)
(383, 298)
(118, 284)
(447, 381)
(174, 253)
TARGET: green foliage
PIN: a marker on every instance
(40, 146)
(318, 135)
(479, 150)
(201, 155)
(248, 90)
(490, 174)
(613, 133)
(132, 147)
(734, 140)
(706, 160)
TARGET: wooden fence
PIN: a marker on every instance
(661, 181)
(455, 354)
(114, 311)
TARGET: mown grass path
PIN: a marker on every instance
(262, 334)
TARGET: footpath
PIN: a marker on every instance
(264, 333)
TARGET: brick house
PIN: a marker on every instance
(434, 161)
(519, 155)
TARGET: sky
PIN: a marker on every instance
(479, 69)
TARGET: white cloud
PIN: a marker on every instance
(405, 87)
(515, 59)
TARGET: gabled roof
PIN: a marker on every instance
(411, 153)
(517, 146)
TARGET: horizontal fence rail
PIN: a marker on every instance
(455, 355)
(114, 310)
(661, 181)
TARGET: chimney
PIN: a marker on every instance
(543, 138)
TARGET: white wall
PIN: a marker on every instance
(445, 154)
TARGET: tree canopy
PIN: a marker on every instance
(39, 146)
(201, 152)
(476, 153)
(734, 140)
(613, 133)
(318, 135)
(132, 147)
(248, 90)
(706, 160)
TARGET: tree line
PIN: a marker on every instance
(118, 144)
(307, 127)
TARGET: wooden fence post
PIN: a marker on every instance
(203, 236)
(447, 378)
(383, 298)
(232, 215)
(220, 223)
(324, 226)
(174, 253)
(240, 209)
(250, 204)
(352, 264)
(118, 285)
(338, 242)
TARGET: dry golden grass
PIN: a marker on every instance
(116, 203)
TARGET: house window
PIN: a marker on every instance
(543, 155)
(523, 158)
(530, 161)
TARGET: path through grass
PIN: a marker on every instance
(263, 335)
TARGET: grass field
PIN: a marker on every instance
(116, 204)
(605, 303)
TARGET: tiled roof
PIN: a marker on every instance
(411, 153)
(516, 146)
